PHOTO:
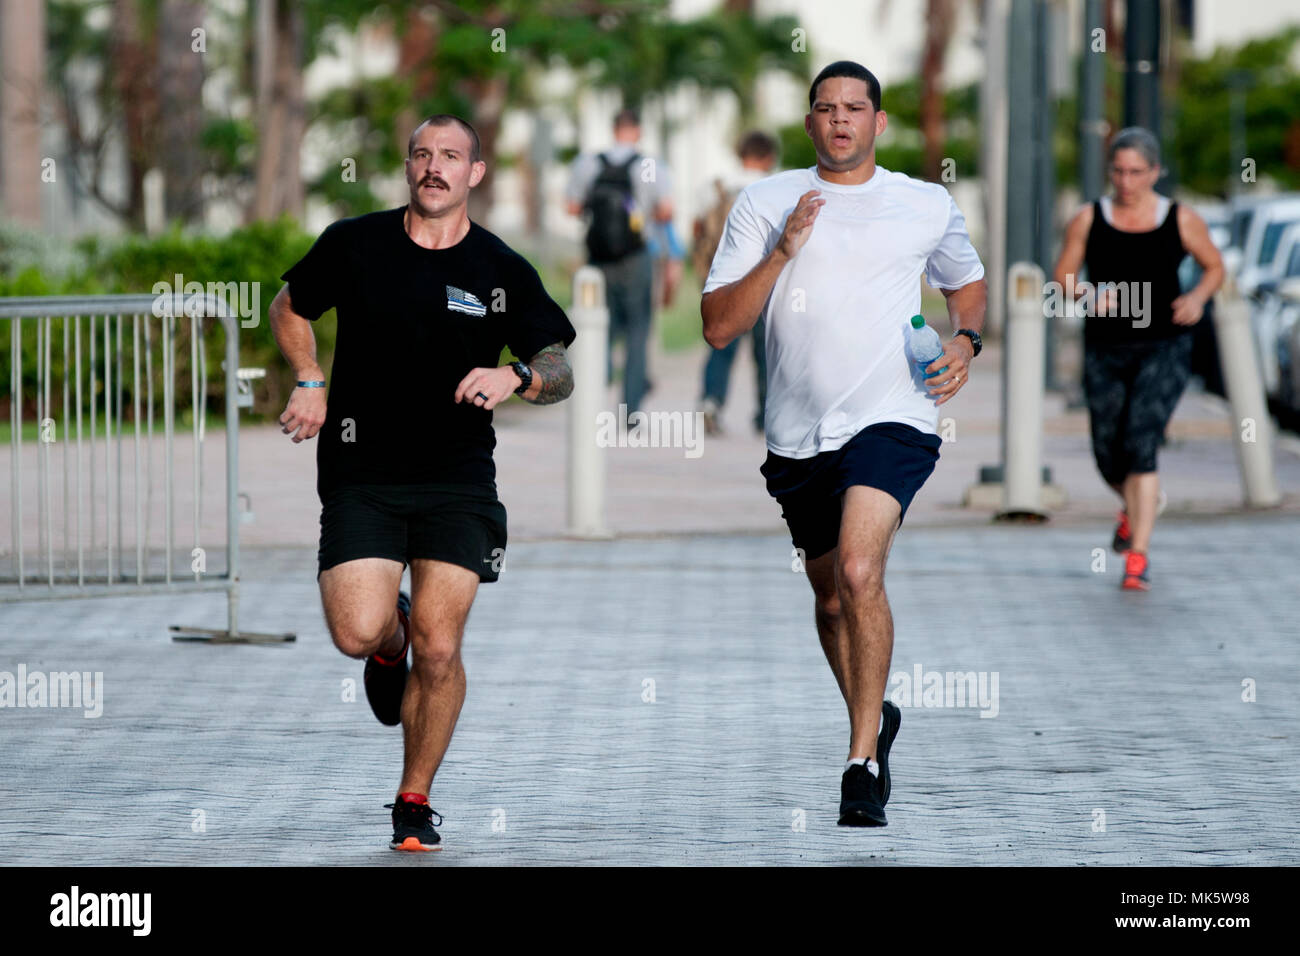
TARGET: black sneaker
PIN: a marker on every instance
(893, 718)
(1123, 534)
(386, 682)
(413, 826)
(860, 803)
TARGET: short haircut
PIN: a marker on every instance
(757, 145)
(854, 71)
(1142, 140)
(626, 117)
(446, 119)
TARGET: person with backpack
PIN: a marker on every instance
(623, 193)
(758, 155)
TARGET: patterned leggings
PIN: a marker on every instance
(1131, 392)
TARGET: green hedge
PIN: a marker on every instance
(33, 265)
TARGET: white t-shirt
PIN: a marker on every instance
(838, 315)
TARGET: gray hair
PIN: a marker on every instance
(1135, 137)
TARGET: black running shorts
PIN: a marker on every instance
(890, 456)
(463, 525)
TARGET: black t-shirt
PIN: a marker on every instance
(412, 323)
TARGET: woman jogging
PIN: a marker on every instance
(1137, 350)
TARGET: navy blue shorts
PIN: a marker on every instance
(890, 456)
(460, 524)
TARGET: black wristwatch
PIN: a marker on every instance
(973, 336)
(525, 375)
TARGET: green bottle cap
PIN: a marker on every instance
(918, 321)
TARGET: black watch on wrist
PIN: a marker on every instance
(973, 336)
(525, 375)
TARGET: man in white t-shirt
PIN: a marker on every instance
(831, 257)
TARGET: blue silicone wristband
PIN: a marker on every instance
(311, 384)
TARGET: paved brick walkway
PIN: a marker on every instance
(1130, 705)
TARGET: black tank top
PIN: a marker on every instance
(1113, 255)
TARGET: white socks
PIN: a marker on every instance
(859, 761)
(871, 764)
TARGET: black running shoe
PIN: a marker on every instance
(386, 682)
(893, 717)
(860, 803)
(413, 826)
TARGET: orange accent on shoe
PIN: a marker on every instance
(414, 844)
(1123, 531)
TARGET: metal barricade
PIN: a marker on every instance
(95, 491)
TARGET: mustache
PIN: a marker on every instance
(435, 181)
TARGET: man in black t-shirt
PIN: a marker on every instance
(426, 301)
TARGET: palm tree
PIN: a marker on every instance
(939, 19)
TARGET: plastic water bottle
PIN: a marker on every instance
(924, 345)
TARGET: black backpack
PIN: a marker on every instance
(611, 234)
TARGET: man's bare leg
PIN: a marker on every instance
(435, 690)
(867, 528)
(830, 622)
(359, 598)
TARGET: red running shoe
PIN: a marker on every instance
(1136, 572)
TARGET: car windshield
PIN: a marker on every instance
(1272, 233)
(1293, 264)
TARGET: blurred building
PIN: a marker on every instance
(695, 133)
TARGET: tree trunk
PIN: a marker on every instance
(938, 32)
(22, 56)
(489, 98)
(281, 111)
(137, 94)
(180, 78)
(415, 51)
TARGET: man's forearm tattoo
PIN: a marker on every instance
(552, 367)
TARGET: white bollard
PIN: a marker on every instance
(1022, 421)
(589, 359)
(1252, 426)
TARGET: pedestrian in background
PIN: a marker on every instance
(758, 155)
(1136, 366)
(621, 192)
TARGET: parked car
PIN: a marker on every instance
(1241, 210)
(1267, 308)
(1267, 223)
(1284, 293)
